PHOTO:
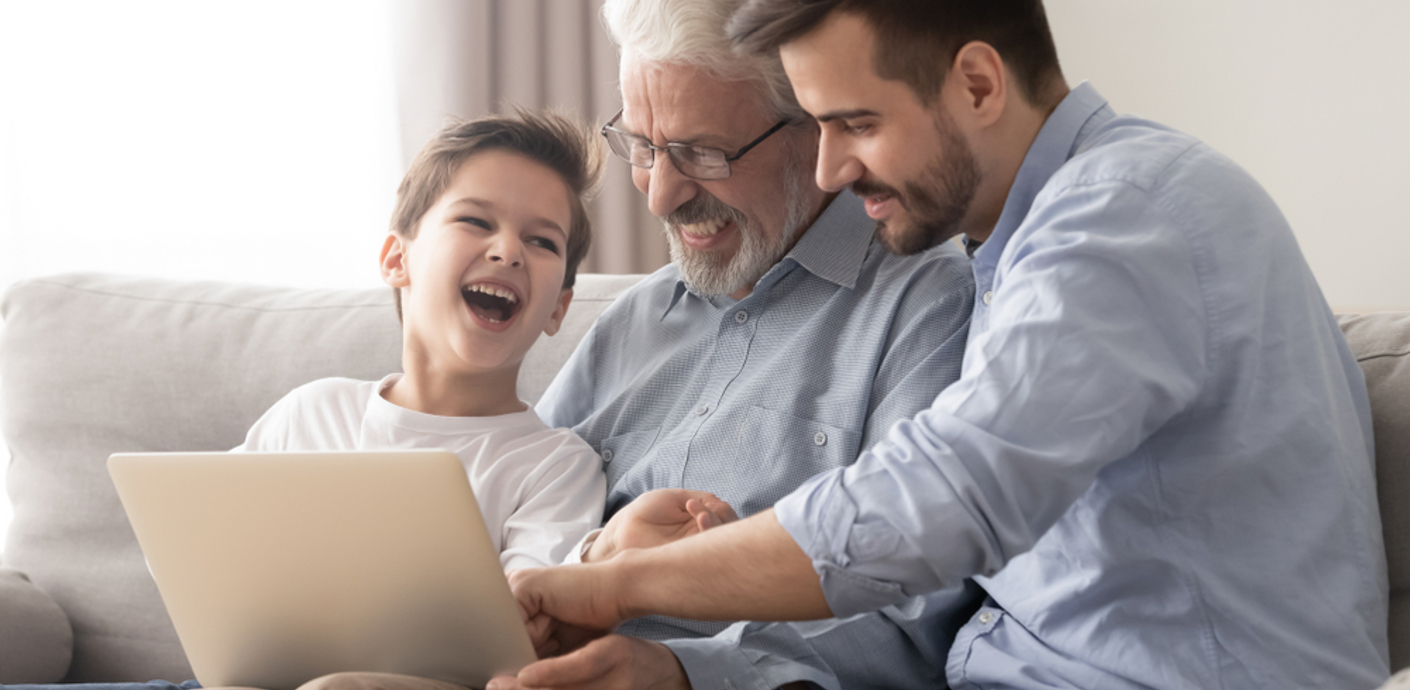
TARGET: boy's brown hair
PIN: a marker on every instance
(562, 144)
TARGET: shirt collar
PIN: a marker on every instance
(833, 248)
(1079, 113)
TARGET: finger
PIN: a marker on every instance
(571, 638)
(706, 519)
(504, 683)
(583, 666)
(722, 510)
(548, 649)
(541, 629)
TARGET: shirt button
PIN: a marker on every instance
(988, 297)
(819, 439)
(986, 618)
(607, 455)
(741, 316)
(700, 411)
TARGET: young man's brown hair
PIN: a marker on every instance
(561, 144)
(914, 36)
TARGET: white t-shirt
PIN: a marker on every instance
(540, 489)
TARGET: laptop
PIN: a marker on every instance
(278, 568)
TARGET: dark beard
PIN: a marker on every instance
(936, 203)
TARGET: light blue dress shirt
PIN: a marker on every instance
(750, 398)
(1158, 461)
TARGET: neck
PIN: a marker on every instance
(432, 390)
(1004, 147)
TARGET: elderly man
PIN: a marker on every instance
(780, 341)
(1157, 462)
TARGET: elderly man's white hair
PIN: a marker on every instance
(692, 32)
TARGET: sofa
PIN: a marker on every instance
(92, 364)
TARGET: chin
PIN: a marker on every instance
(905, 239)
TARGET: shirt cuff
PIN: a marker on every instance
(820, 515)
(575, 554)
(721, 662)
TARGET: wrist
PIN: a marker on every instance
(629, 582)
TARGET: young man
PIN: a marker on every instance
(1157, 461)
(485, 242)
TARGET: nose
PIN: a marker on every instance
(837, 167)
(665, 187)
(506, 248)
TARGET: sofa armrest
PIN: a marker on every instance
(34, 632)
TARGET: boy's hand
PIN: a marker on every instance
(659, 517)
(567, 606)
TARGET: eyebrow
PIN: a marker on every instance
(719, 140)
(538, 221)
(845, 114)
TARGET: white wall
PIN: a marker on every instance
(245, 140)
(1312, 97)
(251, 141)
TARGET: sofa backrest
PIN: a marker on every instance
(94, 364)
(1381, 344)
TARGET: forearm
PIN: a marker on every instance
(751, 569)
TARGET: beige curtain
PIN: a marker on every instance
(468, 58)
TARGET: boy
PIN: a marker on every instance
(486, 238)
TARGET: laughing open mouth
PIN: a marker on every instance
(491, 303)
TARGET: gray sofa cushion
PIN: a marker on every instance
(1381, 343)
(95, 364)
(35, 637)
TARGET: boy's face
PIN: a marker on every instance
(484, 274)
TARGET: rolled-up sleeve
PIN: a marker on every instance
(897, 647)
(1096, 337)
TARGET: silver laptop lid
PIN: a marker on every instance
(277, 568)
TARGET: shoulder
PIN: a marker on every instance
(333, 397)
(334, 390)
(938, 279)
(533, 449)
(1140, 157)
(529, 435)
(940, 269)
(640, 305)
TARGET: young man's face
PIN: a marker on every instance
(915, 171)
(724, 234)
(484, 275)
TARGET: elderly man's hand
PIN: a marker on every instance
(659, 517)
(609, 662)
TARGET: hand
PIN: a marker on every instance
(565, 606)
(659, 517)
(613, 661)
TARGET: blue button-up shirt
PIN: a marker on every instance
(750, 398)
(1158, 459)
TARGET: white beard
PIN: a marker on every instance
(757, 253)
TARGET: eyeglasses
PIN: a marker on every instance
(699, 162)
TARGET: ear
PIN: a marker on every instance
(393, 261)
(977, 86)
(555, 320)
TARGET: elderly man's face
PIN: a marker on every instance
(724, 234)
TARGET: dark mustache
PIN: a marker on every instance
(865, 188)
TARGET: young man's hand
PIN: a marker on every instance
(659, 517)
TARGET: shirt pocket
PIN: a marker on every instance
(776, 452)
